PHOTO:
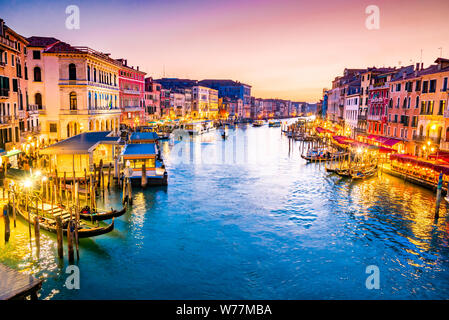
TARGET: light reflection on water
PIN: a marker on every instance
(258, 224)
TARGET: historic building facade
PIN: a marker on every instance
(80, 89)
(14, 109)
(132, 95)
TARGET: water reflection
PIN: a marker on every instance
(249, 210)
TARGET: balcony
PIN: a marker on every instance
(132, 108)
(379, 86)
(8, 43)
(130, 91)
(5, 120)
(4, 93)
(85, 112)
(423, 139)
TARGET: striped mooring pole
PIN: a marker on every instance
(439, 187)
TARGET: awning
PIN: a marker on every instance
(404, 158)
(391, 142)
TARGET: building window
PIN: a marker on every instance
(425, 86)
(72, 101)
(88, 73)
(442, 107)
(433, 85)
(36, 55)
(53, 127)
(38, 100)
(445, 84)
(72, 71)
(37, 74)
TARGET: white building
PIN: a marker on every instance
(78, 90)
(351, 111)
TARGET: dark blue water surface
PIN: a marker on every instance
(247, 218)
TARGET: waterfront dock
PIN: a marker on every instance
(17, 286)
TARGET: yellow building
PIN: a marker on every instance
(433, 100)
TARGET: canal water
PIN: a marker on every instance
(247, 218)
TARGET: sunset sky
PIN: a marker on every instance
(284, 49)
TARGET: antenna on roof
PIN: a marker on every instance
(441, 52)
(421, 57)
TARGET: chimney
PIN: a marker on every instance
(137, 68)
(422, 65)
(417, 67)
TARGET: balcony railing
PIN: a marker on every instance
(7, 42)
(130, 91)
(5, 119)
(434, 140)
(4, 93)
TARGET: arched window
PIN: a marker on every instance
(95, 75)
(37, 74)
(72, 71)
(72, 101)
(447, 134)
(421, 131)
(38, 100)
(88, 73)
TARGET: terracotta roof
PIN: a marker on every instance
(62, 47)
(42, 42)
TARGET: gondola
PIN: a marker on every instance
(49, 224)
(362, 174)
(343, 172)
(100, 216)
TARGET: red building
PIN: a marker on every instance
(132, 95)
(379, 96)
(152, 99)
(403, 108)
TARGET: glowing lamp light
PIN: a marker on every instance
(128, 164)
(38, 173)
(27, 183)
(44, 178)
(428, 142)
(433, 127)
(359, 150)
(433, 149)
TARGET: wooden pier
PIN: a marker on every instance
(16, 285)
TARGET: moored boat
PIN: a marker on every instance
(364, 173)
(48, 223)
(258, 123)
(144, 159)
(87, 214)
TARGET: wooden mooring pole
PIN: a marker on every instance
(439, 187)
(70, 241)
(59, 237)
(6, 219)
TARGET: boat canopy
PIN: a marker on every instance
(82, 143)
(144, 136)
(142, 150)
